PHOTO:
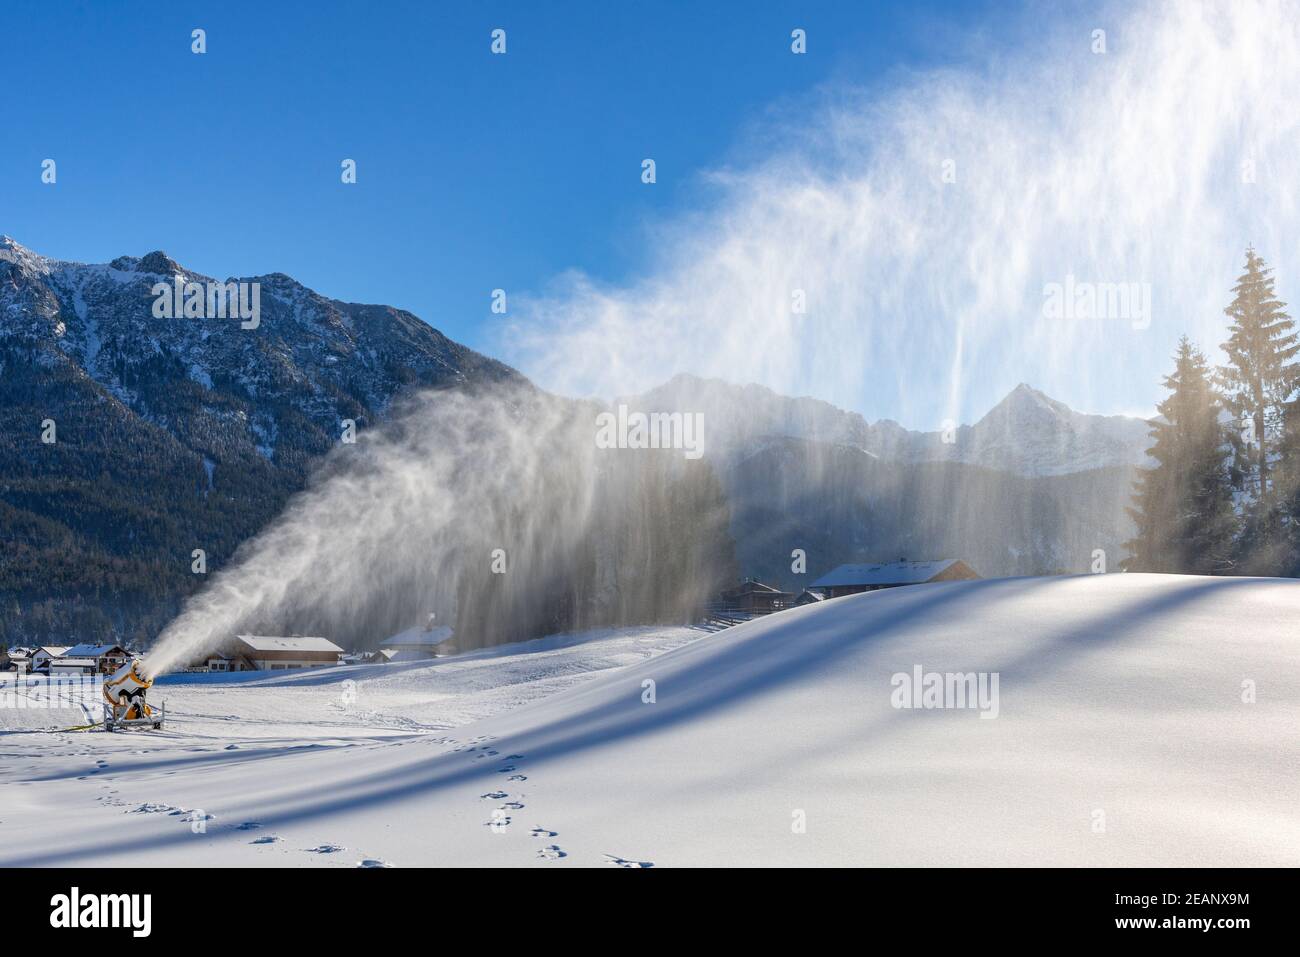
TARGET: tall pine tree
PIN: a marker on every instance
(1258, 382)
(1183, 506)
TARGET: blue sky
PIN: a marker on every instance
(522, 171)
(475, 171)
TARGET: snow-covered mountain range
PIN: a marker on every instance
(1032, 487)
(1027, 433)
(170, 434)
(183, 433)
(327, 359)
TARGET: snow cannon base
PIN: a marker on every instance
(128, 717)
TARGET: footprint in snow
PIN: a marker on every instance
(623, 862)
(373, 862)
(192, 815)
(153, 809)
(326, 849)
(265, 839)
(512, 806)
(507, 769)
(517, 777)
(498, 822)
(543, 832)
(494, 795)
(249, 826)
(551, 852)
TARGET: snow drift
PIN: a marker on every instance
(1143, 720)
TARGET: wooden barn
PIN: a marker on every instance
(809, 596)
(754, 598)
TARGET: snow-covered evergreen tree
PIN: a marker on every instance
(1259, 382)
(1183, 507)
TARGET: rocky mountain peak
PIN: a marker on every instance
(158, 263)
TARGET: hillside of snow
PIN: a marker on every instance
(1140, 720)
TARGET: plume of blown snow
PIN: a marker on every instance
(1155, 162)
(374, 543)
(922, 225)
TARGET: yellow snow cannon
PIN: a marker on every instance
(124, 700)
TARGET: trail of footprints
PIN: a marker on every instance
(501, 815)
(190, 816)
(501, 818)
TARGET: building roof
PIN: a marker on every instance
(887, 573)
(293, 643)
(407, 654)
(419, 638)
(750, 585)
(76, 662)
(812, 595)
(54, 651)
(92, 651)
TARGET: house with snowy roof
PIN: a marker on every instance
(417, 644)
(16, 659)
(72, 665)
(267, 653)
(755, 598)
(809, 596)
(42, 656)
(107, 658)
(851, 579)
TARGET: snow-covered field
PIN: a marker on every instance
(1121, 737)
